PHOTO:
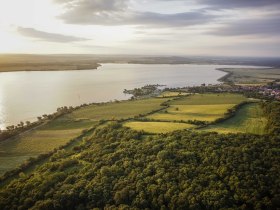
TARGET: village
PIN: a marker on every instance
(268, 91)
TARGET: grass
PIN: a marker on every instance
(121, 110)
(15, 151)
(201, 107)
(68, 122)
(192, 112)
(248, 119)
(157, 127)
(210, 99)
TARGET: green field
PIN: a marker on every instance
(17, 150)
(121, 110)
(158, 127)
(201, 107)
(210, 99)
(248, 119)
(206, 113)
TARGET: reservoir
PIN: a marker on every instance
(26, 95)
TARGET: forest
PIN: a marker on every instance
(118, 168)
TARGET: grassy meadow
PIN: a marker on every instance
(248, 119)
(119, 110)
(201, 107)
(206, 113)
(157, 127)
(210, 99)
(57, 133)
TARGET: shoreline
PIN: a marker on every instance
(46, 68)
(26, 67)
(224, 78)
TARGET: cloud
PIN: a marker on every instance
(118, 12)
(49, 37)
(231, 4)
(269, 26)
(239, 3)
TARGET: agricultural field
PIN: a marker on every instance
(248, 119)
(206, 113)
(201, 107)
(54, 134)
(15, 151)
(116, 111)
(210, 99)
(157, 127)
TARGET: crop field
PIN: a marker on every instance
(54, 134)
(210, 99)
(67, 122)
(157, 127)
(248, 119)
(192, 112)
(201, 107)
(115, 111)
(15, 151)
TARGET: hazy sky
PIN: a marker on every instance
(153, 27)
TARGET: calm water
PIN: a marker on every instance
(26, 95)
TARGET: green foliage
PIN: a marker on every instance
(272, 112)
(143, 91)
(117, 168)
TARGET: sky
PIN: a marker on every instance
(141, 27)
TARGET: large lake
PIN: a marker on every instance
(26, 95)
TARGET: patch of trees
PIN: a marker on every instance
(118, 168)
(13, 130)
(143, 91)
(272, 112)
(194, 122)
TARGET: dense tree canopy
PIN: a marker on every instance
(117, 168)
(272, 112)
